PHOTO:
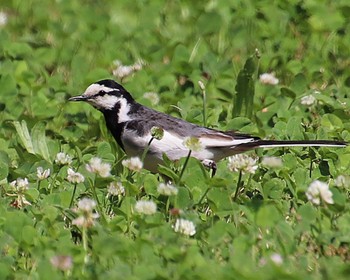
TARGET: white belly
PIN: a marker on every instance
(170, 145)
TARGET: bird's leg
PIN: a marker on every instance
(213, 168)
(210, 164)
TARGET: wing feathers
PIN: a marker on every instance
(223, 141)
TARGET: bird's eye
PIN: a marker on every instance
(101, 93)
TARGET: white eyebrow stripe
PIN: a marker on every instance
(96, 88)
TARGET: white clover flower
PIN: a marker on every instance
(319, 190)
(342, 181)
(272, 162)
(81, 221)
(133, 163)
(121, 71)
(242, 162)
(276, 259)
(63, 159)
(138, 65)
(20, 184)
(201, 85)
(167, 189)
(60, 262)
(152, 96)
(3, 18)
(308, 100)
(87, 216)
(74, 177)
(193, 144)
(116, 188)
(86, 221)
(185, 227)
(145, 207)
(42, 174)
(268, 79)
(117, 62)
(96, 166)
(86, 204)
(20, 201)
(157, 132)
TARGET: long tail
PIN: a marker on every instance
(291, 143)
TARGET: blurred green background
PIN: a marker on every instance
(52, 50)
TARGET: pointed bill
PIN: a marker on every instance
(77, 98)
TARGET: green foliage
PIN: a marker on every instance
(34, 143)
(244, 98)
(248, 226)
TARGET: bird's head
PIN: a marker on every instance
(105, 95)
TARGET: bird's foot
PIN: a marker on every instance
(211, 165)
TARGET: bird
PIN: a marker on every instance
(131, 125)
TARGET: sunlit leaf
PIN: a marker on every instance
(23, 133)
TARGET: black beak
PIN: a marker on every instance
(77, 98)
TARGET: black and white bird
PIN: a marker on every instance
(131, 124)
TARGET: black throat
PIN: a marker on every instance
(112, 122)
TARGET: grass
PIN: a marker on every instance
(265, 229)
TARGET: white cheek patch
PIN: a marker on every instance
(108, 102)
(105, 102)
(123, 111)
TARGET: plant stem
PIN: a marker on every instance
(86, 247)
(204, 108)
(310, 169)
(203, 196)
(146, 149)
(53, 180)
(184, 167)
(72, 199)
(194, 50)
(167, 206)
(128, 211)
(99, 209)
(257, 55)
(239, 186)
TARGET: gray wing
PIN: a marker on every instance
(145, 118)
